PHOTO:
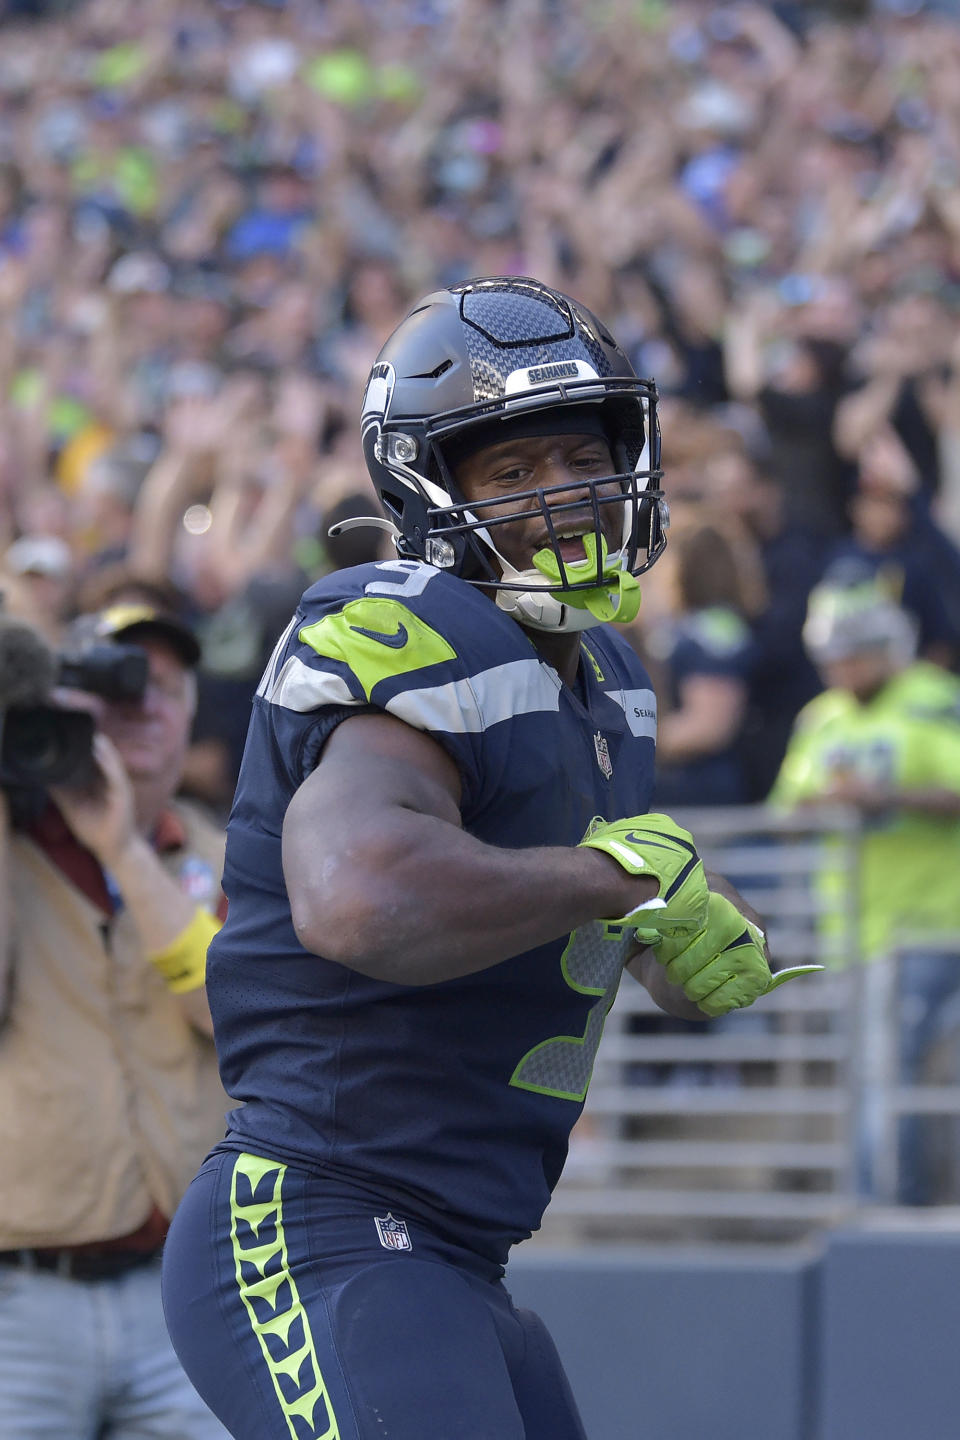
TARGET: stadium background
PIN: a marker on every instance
(213, 211)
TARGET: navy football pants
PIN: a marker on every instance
(293, 1319)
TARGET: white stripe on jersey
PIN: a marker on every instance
(299, 687)
(640, 708)
(268, 679)
(462, 707)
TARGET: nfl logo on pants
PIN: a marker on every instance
(394, 1234)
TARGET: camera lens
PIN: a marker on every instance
(45, 745)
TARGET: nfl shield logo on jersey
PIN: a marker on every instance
(603, 755)
(394, 1234)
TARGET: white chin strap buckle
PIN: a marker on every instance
(543, 611)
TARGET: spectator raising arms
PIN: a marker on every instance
(208, 209)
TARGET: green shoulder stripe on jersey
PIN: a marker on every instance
(272, 1301)
(378, 638)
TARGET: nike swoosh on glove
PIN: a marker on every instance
(657, 846)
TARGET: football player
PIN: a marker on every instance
(438, 863)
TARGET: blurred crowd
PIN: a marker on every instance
(212, 212)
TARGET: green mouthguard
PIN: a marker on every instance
(618, 598)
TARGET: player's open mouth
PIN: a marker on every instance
(570, 542)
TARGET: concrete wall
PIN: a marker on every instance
(889, 1335)
(854, 1339)
(672, 1345)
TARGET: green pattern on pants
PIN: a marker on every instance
(272, 1301)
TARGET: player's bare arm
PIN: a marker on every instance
(382, 877)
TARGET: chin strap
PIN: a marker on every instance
(617, 598)
(539, 610)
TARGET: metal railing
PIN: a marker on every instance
(888, 1092)
(747, 1126)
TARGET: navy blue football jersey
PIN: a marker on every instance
(451, 1101)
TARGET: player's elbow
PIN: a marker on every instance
(354, 908)
(365, 934)
(347, 919)
(339, 928)
(326, 890)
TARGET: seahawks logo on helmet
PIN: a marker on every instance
(376, 397)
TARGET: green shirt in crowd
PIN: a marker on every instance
(906, 736)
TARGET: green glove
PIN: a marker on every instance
(655, 845)
(724, 967)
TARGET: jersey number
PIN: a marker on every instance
(415, 577)
(592, 964)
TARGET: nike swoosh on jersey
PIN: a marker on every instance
(396, 641)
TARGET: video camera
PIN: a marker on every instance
(44, 743)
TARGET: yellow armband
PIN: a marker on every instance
(183, 963)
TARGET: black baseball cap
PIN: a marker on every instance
(128, 620)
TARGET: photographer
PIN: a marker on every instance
(110, 1095)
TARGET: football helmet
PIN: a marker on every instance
(479, 363)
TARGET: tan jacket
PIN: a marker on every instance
(109, 1098)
